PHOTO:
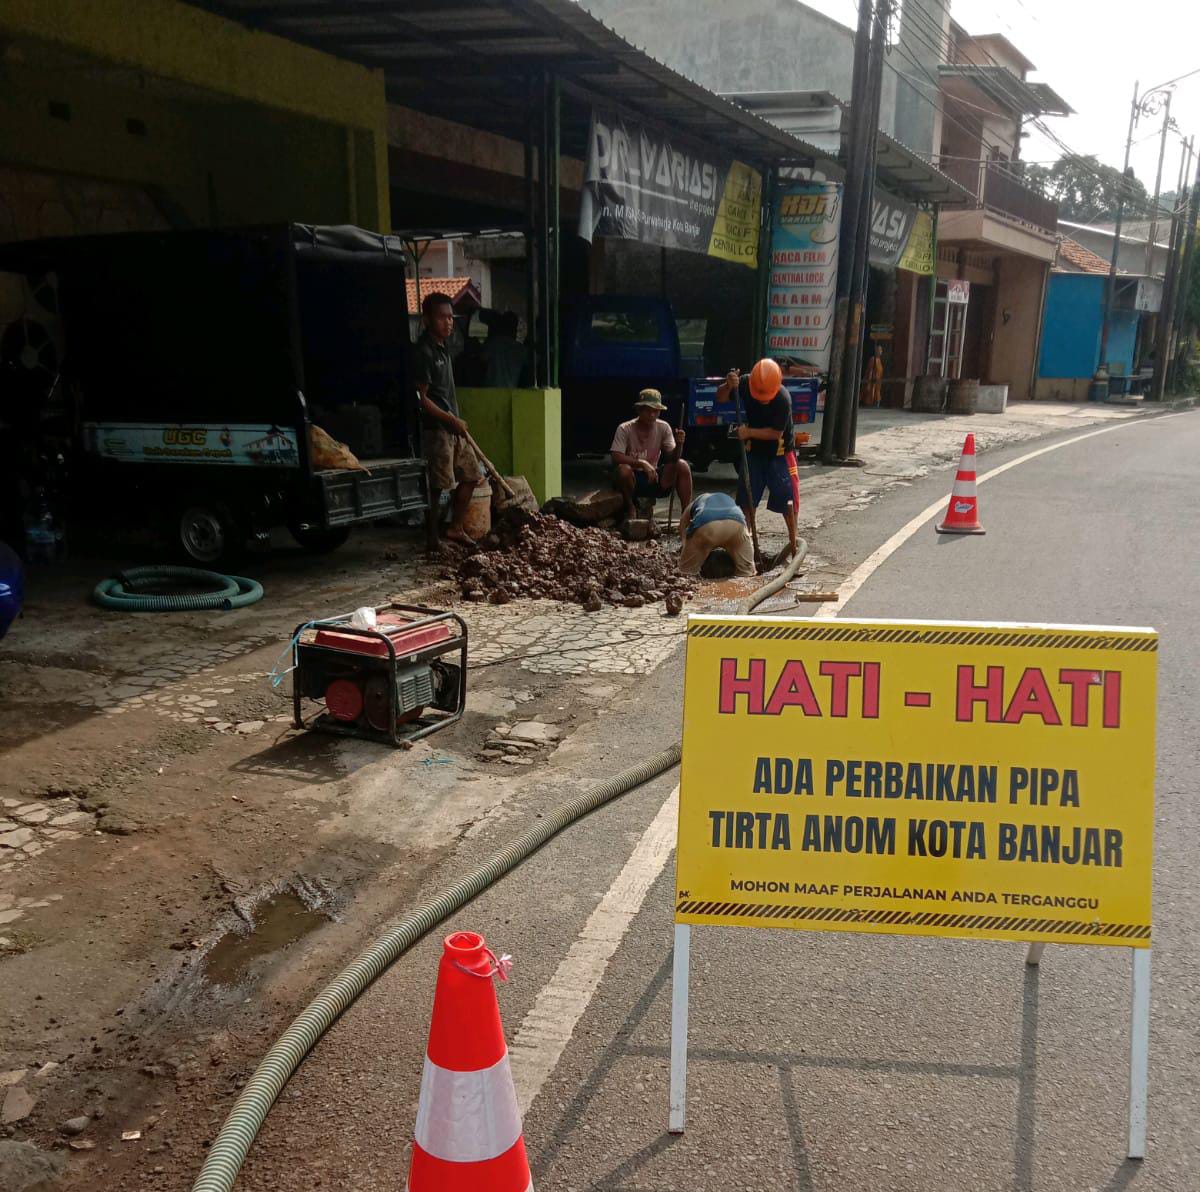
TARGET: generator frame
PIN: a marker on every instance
(396, 733)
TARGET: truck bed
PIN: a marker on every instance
(389, 486)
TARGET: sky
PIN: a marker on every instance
(1092, 53)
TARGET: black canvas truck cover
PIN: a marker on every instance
(239, 326)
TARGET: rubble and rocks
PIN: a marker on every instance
(593, 509)
(512, 743)
(18, 1105)
(551, 559)
(24, 1168)
(537, 732)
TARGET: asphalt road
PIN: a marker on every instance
(846, 1062)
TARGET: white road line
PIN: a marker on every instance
(546, 1030)
(878, 557)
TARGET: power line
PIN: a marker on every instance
(939, 42)
(1130, 195)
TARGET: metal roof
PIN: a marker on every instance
(901, 168)
(897, 167)
(1005, 87)
(471, 61)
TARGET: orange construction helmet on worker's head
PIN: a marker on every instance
(766, 379)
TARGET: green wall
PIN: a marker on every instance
(520, 431)
(239, 127)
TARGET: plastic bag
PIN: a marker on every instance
(326, 452)
(363, 618)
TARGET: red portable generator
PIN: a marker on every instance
(394, 683)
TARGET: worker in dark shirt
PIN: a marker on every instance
(770, 440)
(451, 459)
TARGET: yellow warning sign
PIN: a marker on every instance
(920, 778)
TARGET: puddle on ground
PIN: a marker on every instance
(734, 588)
(278, 922)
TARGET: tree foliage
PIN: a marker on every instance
(1087, 190)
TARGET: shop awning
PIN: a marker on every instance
(471, 63)
(901, 169)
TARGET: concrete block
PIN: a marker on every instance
(993, 399)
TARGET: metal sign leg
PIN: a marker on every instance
(679, 1027)
(1139, 1053)
(1034, 956)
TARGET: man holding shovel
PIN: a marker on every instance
(768, 433)
(452, 461)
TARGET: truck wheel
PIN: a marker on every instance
(317, 540)
(208, 533)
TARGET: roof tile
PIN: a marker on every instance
(456, 288)
(1074, 258)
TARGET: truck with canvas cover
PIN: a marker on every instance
(195, 370)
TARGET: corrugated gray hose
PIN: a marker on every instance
(228, 1152)
(777, 584)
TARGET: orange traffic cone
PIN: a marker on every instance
(962, 514)
(468, 1134)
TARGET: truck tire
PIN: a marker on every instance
(207, 533)
(317, 540)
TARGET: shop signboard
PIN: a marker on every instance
(640, 184)
(918, 253)
(901, 235)
(958, 291)
(244, 446)
(1148, 295)
(803, 282)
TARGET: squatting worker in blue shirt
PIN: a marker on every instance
(711, 522)
(451, 459)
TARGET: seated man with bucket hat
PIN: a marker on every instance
(645, 455)
(769, 435)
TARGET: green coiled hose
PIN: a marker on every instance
(227, 591)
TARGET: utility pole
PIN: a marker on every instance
(855, 167)
(852, 374)
(1166, 316)
(837, 430)
(1111, 284)
(1162, 152)
(1183, 330)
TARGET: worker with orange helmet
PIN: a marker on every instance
(769, 437)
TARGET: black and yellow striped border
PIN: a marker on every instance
(906, 635)
(785, 912)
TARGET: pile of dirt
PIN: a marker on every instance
(548, 558)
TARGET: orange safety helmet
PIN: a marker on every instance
(766, 379)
